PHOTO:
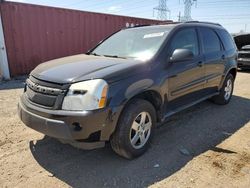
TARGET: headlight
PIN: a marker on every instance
(86, 95)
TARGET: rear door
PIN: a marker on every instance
(186, 78)
(214, 62)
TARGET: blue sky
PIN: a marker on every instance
(234, 15)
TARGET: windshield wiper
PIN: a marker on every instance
(115, 56)
(95, 54)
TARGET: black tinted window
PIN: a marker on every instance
(210, 40)
(227, 40)
(186, 39)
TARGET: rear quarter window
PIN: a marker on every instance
(227, 40)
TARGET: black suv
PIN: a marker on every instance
(129, 83)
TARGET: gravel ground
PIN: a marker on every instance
(204, 146)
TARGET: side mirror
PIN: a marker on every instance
(181, 55)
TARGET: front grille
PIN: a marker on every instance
(244, 55)
(46, 94)
(41, 99)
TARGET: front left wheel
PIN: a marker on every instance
(134, 130)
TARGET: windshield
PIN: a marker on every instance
(139, 43)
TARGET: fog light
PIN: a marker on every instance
(77, 126)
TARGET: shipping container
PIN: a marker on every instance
(35, 34)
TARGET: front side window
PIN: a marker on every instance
(210, 40)
(185, 39)
(138, 43)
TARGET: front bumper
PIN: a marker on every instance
(244, 62)
(68, 125)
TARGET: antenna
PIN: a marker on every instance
(163, 12)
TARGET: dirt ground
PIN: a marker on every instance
(204, 146)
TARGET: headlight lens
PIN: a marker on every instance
(86, 95)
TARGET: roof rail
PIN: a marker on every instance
(204, 22)
(154, 24)
(143, 25)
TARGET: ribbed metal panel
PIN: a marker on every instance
(34, 34)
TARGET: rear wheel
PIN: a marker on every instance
(134, 130)
(225, 92)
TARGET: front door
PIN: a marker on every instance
(186, 78)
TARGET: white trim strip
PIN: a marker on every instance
(4, 65)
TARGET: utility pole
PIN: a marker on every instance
(179, 16)
(163, 12)
(187, 10)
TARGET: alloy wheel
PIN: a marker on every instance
(228, 89)
(140, 130)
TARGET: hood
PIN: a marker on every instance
(242, 40)
(84, 67)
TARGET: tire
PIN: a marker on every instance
(224, 96)
(127, 142)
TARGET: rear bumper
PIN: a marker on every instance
(64, 124)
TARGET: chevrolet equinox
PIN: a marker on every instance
(129, 83)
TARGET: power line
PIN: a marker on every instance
(228, 3)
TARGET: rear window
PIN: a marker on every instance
(227, 40)
(211, 42)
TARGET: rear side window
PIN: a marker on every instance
(227, 40)
(185, 39)
(211, 42)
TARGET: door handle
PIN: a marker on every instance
(200, 63)
(173, 76)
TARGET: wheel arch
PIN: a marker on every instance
(232, 71)
(152, 96)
